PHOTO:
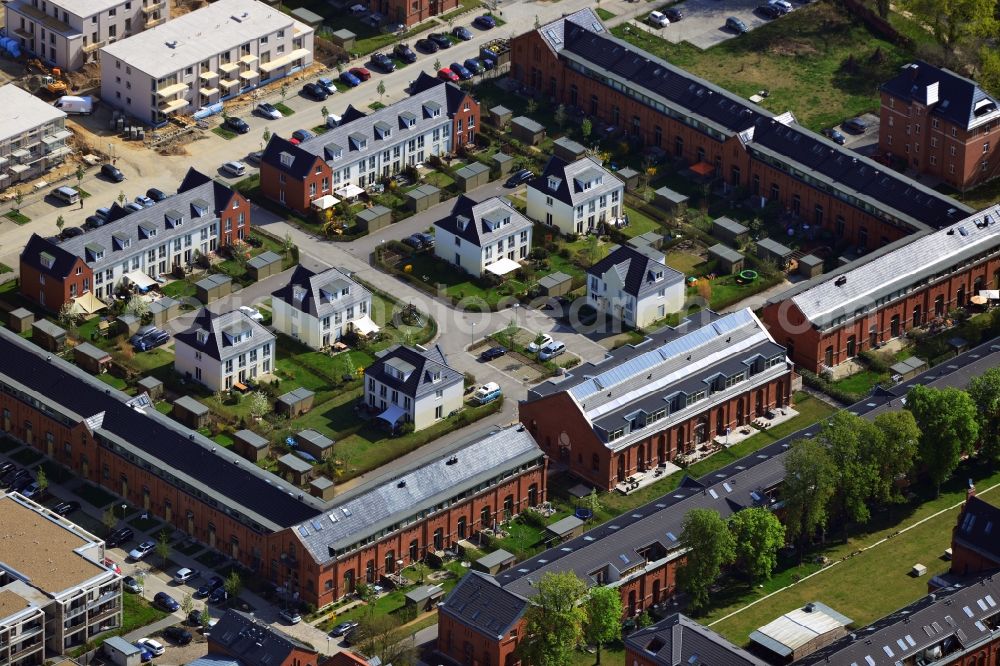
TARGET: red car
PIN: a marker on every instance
(111, 564)
(294, 141)
(447, 75)
(361, 73)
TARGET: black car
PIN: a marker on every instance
(238, 125)
(518, 177)
(13, 479)
(769, 11)
(212, 585)
(6, 467)
(72, 232)
(674, 15)
(22, 482)
(414, 241)
(196, 618)
(153, 341)
(835, 136)
(427, 45)
(177, 635)
(315, 91)
(66, 508)
(492, 353)
(9, 476)
(112, 173)
(94, 221)
(441, 39)
(156, 194)
(856, 126)
(462, 33)
(383, 62)
(404, 53)
(143, 333)
(165, 601)
(119, 537)
(425, 238)
(219, 596)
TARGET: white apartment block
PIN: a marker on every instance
(635, 286)
(32, 136)
(575, 197)
(319, 308)
(68, 33)
(55, 592)
(486, 237)
(202, 58)
(413, 385)
(221, 350)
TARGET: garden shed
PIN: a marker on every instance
(810, 266)
(20, 320)
(556, 284)
(375, 218)
(314, 443)
(472, 175)
(500, 115)
(526, 130)
(293, 469)
(295, 402)
(653, 239)
(92, 359)
(769, 249)
(152, 386)
(322, 488)
(629, 176)
(729, 231)
(164, 309)
(567, 149)
(250, 445)
(669, 201)
(423, 197)
(190, 412)
(344, 38)
(424, 597)
(310, 18)
(503, 163)
(495, 562)
(121, 653)
(264, 265)
(213, 287)
(48, 336)
(728, 260)
(568, 528)
(907, 368)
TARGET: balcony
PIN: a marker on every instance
(228, 83)
(229, 67)
(174, 105)
(208, 92)
(286, 59)
(208, 76)
(249, 75)
(171, 90)
(154, 21)
(154, 6)
(249, 59)
(90, 48)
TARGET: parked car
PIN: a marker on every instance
(165, 601)
(234, 168)
(393, 28)
(460, 71)
(673, 14)
(237, 125)
(349, 79)
(253, 313)
(103, 213)
(327, 85)
(177, 635)
(446, 74)
(383, 62)
(156, 194)
(768, 11)
(551, 350)
(93, 222)
(219, 596)
(414, 241)
(142, 550)
(144, 201)
(31, 489)
(487, 393)
(119, 537)
(22, 483)
(425, 238)
(474, 66)
(441, 39)
(145, 655)
(13, 477)
(484, 22)
(112, 173)
(315, 92)
(518, 177)
(214, 583)
(153, 341)
(362, 73)
(658, 19)
(492, 353)
(404, 53)
(255, 157)
(184, 575)
(302, 135)
(133, 207)
(782, 6)
(72, 232)
(143, 332)
(856, 125)
(290, 616)
(66, 508)
(427, 45)
(539, 342)
(268, 111)
(6, 467)
(153, 646)
(737, 25)
(835, 136)
(114, 566)
(132, 585)
(342, 628)
(462, 33)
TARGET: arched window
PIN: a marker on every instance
(390, 562)
(485, 516)
(370, 572)
(438, 539)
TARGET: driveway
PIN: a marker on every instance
(704, 21)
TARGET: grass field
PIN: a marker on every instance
(136, 613)
(814, 62)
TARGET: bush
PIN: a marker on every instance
(877, 361)
(532, 518)
(564, 252)
(822, 384)
(539, 253)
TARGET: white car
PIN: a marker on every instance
(153, 646)
(142, 550)
(659, 19)
(234, 168)
(269, 111)
(538, 343)
(551, 350)
(253, 313)
(782, 6)
(184, 575)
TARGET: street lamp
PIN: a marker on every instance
(124, 507)
(517, 307)
(473, 332)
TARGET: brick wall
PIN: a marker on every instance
(55, 291)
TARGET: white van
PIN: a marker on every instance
(551, 350)
(487, 393)
(67, 195)
(72, 104)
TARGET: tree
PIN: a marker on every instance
(187, 605)
(206, 616)
(284, 91)
(810, 482)
(989, 69)
(586, 127)
(18, 200)
(233, 584)
(948, 428)
(531, 106)
(592, 502)
(258, 404)
(109, 519)
(265, 138)
(121, 197)
(437, 64)
(79, 175)
(985, 393)
(538, 23)
(757, 536)
(847, 438)
(508, 333)
(324, 112)
(603, 622)
(710, 547)
(42, 480)
(953, 21)
(382, 636)
(595, 250)
(66, 315)
(894, 454)
(137, 306)
(559, 115)
(60, 223)
(380, 89)
(554, 621)
(163, 548)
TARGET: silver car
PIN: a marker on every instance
(234, 168)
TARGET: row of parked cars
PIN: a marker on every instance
(17, 479)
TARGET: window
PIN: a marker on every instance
(439, 412)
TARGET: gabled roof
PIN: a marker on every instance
(566, 174)
(950, 96)
(220, 328)
(305, 291)
(196, 180)
(62, 261)
(637, 268)
(478, 602)
(979, 528)
(418, 380)
(254, 643)
(678, 640)
(470, 221)
(302, 160)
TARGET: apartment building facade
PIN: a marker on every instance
(413, 385)
(635, 286)
(940, 124)
(677, 639)
(51, 276)
(51, 604)
(69, 33)
(575, 197)
(320, 308)
(202, 58)
(649, 403)
(33, 136)
(490, 236)
(437, 118)
(575, 61)
(411, 12)
(221, 350)
(832, 318)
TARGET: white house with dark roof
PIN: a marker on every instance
(635, 285)
(320, 308)
(221, 350)
(413, 385)
(575, 197)
(483, 237)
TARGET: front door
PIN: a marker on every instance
(621, 467)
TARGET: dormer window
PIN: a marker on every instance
(333, 151)
(383, 130)
(358, 141)
(47, 259)
(554, 183)
(286, 160)
(202, 337)
(199, 208)
(173, 219)
(462, 222)
(432, 109)
(407, 119)
(298, 294)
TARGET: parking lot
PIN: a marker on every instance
(704, 21)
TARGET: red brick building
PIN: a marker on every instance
(489, 636)
(437, 118)
(678, 640)
(940, 124)
(51, 276)
(665, 110)
(646, 405)
(975, 546)
(825, 321)
(255, 643)
(411, 12)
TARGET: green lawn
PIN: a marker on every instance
(136, 613)
(639, 224)
(431, 270)
(179, 289)
(816, 62)
(17, 217)
(685, 262)
(604, 14)
(370, 40)
(94, 495)
(4, 268)
(111, 380)
(224, 133)
(285, 110)
(860, 383)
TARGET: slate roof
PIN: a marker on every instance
(390, 500)
(184, 458)
(312, 286)
(424, 361)
(254, 643)
(730, 225)
(218, 345)
(725, 252)
(678, 640)
(251, 438)
(302, 160)
(772, 246)
(191, 405)
(470, 221)
(478, 602)
(92, 352)
(953, 97)
(527, 123)
(636, 267)
(294, 463)
(62, 260)
(979, 528)
(567, 173)
(264, 259)
(47, 327)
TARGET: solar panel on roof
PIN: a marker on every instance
(968, 611)
(715, 495)
(318, 526)
(303, 530)
(670, 535)
(909, 639)
(989, 600)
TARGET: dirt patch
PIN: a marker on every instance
(792, 47)
(185, 6)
